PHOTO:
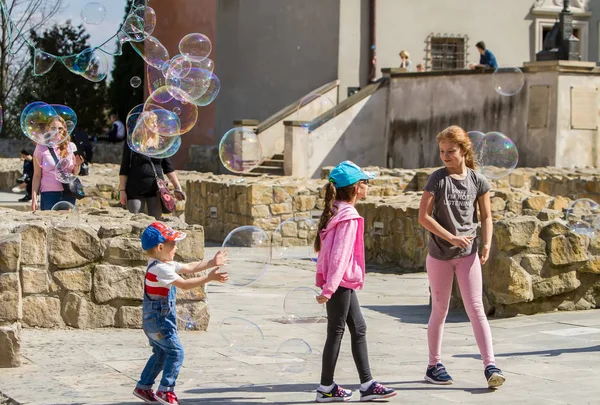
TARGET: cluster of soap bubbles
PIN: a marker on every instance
(250, 252)
(495, 154)
(508, 81)
(583, 216)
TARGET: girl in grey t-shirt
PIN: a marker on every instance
(448, 212)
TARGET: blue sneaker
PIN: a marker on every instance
(376, 391)
(336, 394)
(494, 376)
(438, 375)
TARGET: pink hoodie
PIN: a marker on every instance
(341, 261)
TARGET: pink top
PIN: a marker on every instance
(341, 261)
(42, 153)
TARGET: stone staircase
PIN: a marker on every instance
(272, 166)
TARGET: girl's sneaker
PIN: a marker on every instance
(167, 398)
(438, 375)
(376, 391)
(494, 376)
(336, 394)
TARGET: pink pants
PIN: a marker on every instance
(468, 274)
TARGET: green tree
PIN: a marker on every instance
(121, 96)
(59, 85)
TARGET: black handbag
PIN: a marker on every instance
(73, 189)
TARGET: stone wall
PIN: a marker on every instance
(104, 152)
(80, 270)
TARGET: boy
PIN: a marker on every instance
(24, 182)
(159, 311)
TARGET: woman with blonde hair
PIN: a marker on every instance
(448, 212)
(44, 180)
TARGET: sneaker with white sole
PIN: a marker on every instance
(438, 375)
(146, 395)
(376, 391)
(494, 376)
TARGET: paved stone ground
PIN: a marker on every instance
(548, 358)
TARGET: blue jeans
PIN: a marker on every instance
(160, 326)
(50, 198)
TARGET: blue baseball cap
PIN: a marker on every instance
(157, 233)
(347, 173)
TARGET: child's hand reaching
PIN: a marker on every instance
(220, 277)
(220, 258)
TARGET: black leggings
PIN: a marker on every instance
(342, 308)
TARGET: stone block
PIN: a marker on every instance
(81, 313)
(304, 202)
(547, 214)
(559, 203)
(283, 208)
(591, 266)
(73, 246)
(10, 253)
(42, 312)
(555, 285)
(497, 204)
(11, 303)
(74, 280)
(566, 249)
(129, 317)
(192, 247)
(113, 230)
(10, 345)
(506, 282)
(519, 232)
(34, 281)
(114, 282)
(536, 202)
(554, 229)
(33, 244)
(125, 251)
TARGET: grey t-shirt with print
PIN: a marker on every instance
(454, 209)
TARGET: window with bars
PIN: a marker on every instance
(446, 52)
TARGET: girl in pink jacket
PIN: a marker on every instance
(340, 272)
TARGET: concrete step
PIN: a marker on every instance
(272, 170)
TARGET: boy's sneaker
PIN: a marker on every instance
(494, 376)
(146, 395)
(376, 391)
(336, 394)
(438, 375)
(167, 398)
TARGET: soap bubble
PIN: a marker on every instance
(191, 85)
(211, 92)
(162, 99)
(476, 139)
(293, 239)
(583, 216)
(93, 13)
(67, 114)
(42, 62)
(508, 81)
(314, 105)
(64, 170)
(239, 150)
(195, 46)
(39, 122)
(190, 317)
(139, 24)
(241, 334)
(179, 66)
(152, 51)
(64, 206)
(155, 78)
(293, 355)
(90, 63)
(498, 157)
(248, 252)
(300, 306)
(135, 82)
(155, 132)
(173, 149)
(177, 110)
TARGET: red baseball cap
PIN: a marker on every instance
(157, 233)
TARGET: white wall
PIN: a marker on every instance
(504, 25)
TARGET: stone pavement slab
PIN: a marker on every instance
(547, 358)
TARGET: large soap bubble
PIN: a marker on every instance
(248, 250)
(64, 206)
(476, 139)
(191, 82)
(214, 86)
(293, 355)
(42, 62)
(173, 149)
(91, 64)
(300, 306)
(239, 150)
(195, 46)
(314, 105)
(64, 170)
(241, 334)
(93, 13)
(155, 132)
(162, 99)
(42, 124)
(498, 157)
(67, 114)
(139, 24)
(152, 51)
(508, 81)
(583, 216)
(293, 239)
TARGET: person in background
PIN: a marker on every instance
(420, 67)
(486, 58)
(117, 130)
(24, 182)
(44, 168)
(405, 61)
(84, 146)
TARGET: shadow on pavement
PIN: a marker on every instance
(418, 314)
(549, 352)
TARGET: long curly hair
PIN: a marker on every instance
(457, 135)
(63, 147)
